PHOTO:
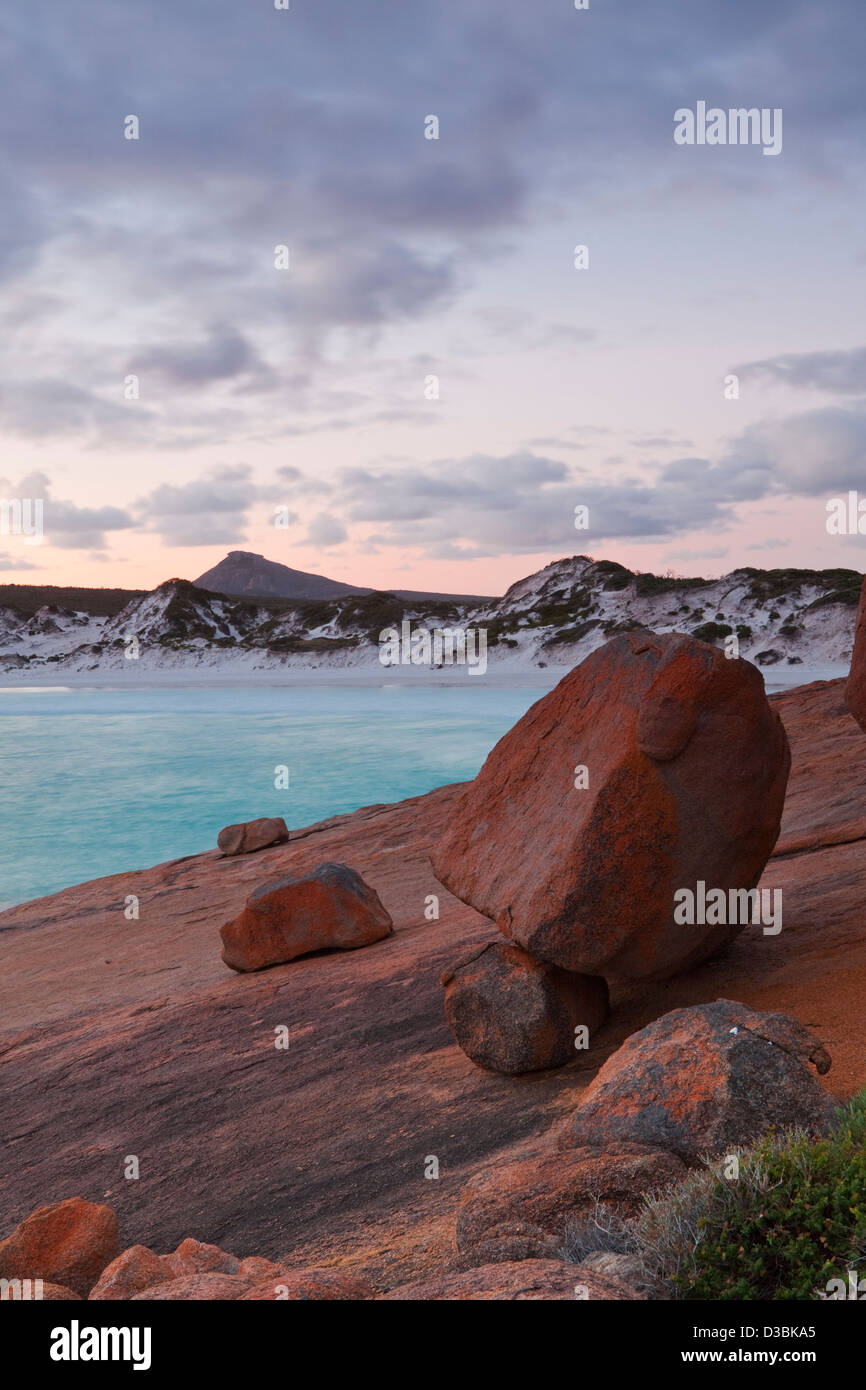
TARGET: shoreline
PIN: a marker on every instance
(384, 677)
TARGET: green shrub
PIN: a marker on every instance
(794, 1218)
(648, 585)
(711, 632)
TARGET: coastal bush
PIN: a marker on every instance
(776, 583)
(711, 632)
(372, 612)
(613, 575)
(647, 585)
(602, 1229)
(792, 1220)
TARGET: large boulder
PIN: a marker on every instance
(855, 689)
(513, 1014)
(517, 1281)
(332, 908)
(547, 1190)
(706, 1080)
(655, 765)
(252, 835)
(68, 1243)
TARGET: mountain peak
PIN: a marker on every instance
(244, 572)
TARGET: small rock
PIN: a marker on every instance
(310, 1285)
(252, 835)
(511, 1241)
(134, 1270)
(196, 1257)
(706, 1079)
(194, 1288)
(511, 1013)
(331, 909)
(258, 1268)
(68, 1243)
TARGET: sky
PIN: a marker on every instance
(285, 319)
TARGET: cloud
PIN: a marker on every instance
(521, 503)
(15, 562)
(325, 530)
(211, 510)
(842, 372)
(258, 130)
(524, 502)
(806, 454)
(65, 524)
(223, 354)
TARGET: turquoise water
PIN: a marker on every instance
(96, 782)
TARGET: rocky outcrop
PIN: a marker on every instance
(705, 1080)
(654, 765)
(315, 1156)
(547, 1190)
(67, 1243)
(519, 1281)
(252, 835)
(331, 909)
(855, 688)
(511, 1013)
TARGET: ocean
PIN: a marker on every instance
(100, 781)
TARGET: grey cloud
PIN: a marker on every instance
(65, 524)
(804, 454)
(325, 530)
(224, 353)
(257, 129)
(10, 562)
(210, 510)
(842, 372)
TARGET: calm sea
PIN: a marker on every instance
(96, 782)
